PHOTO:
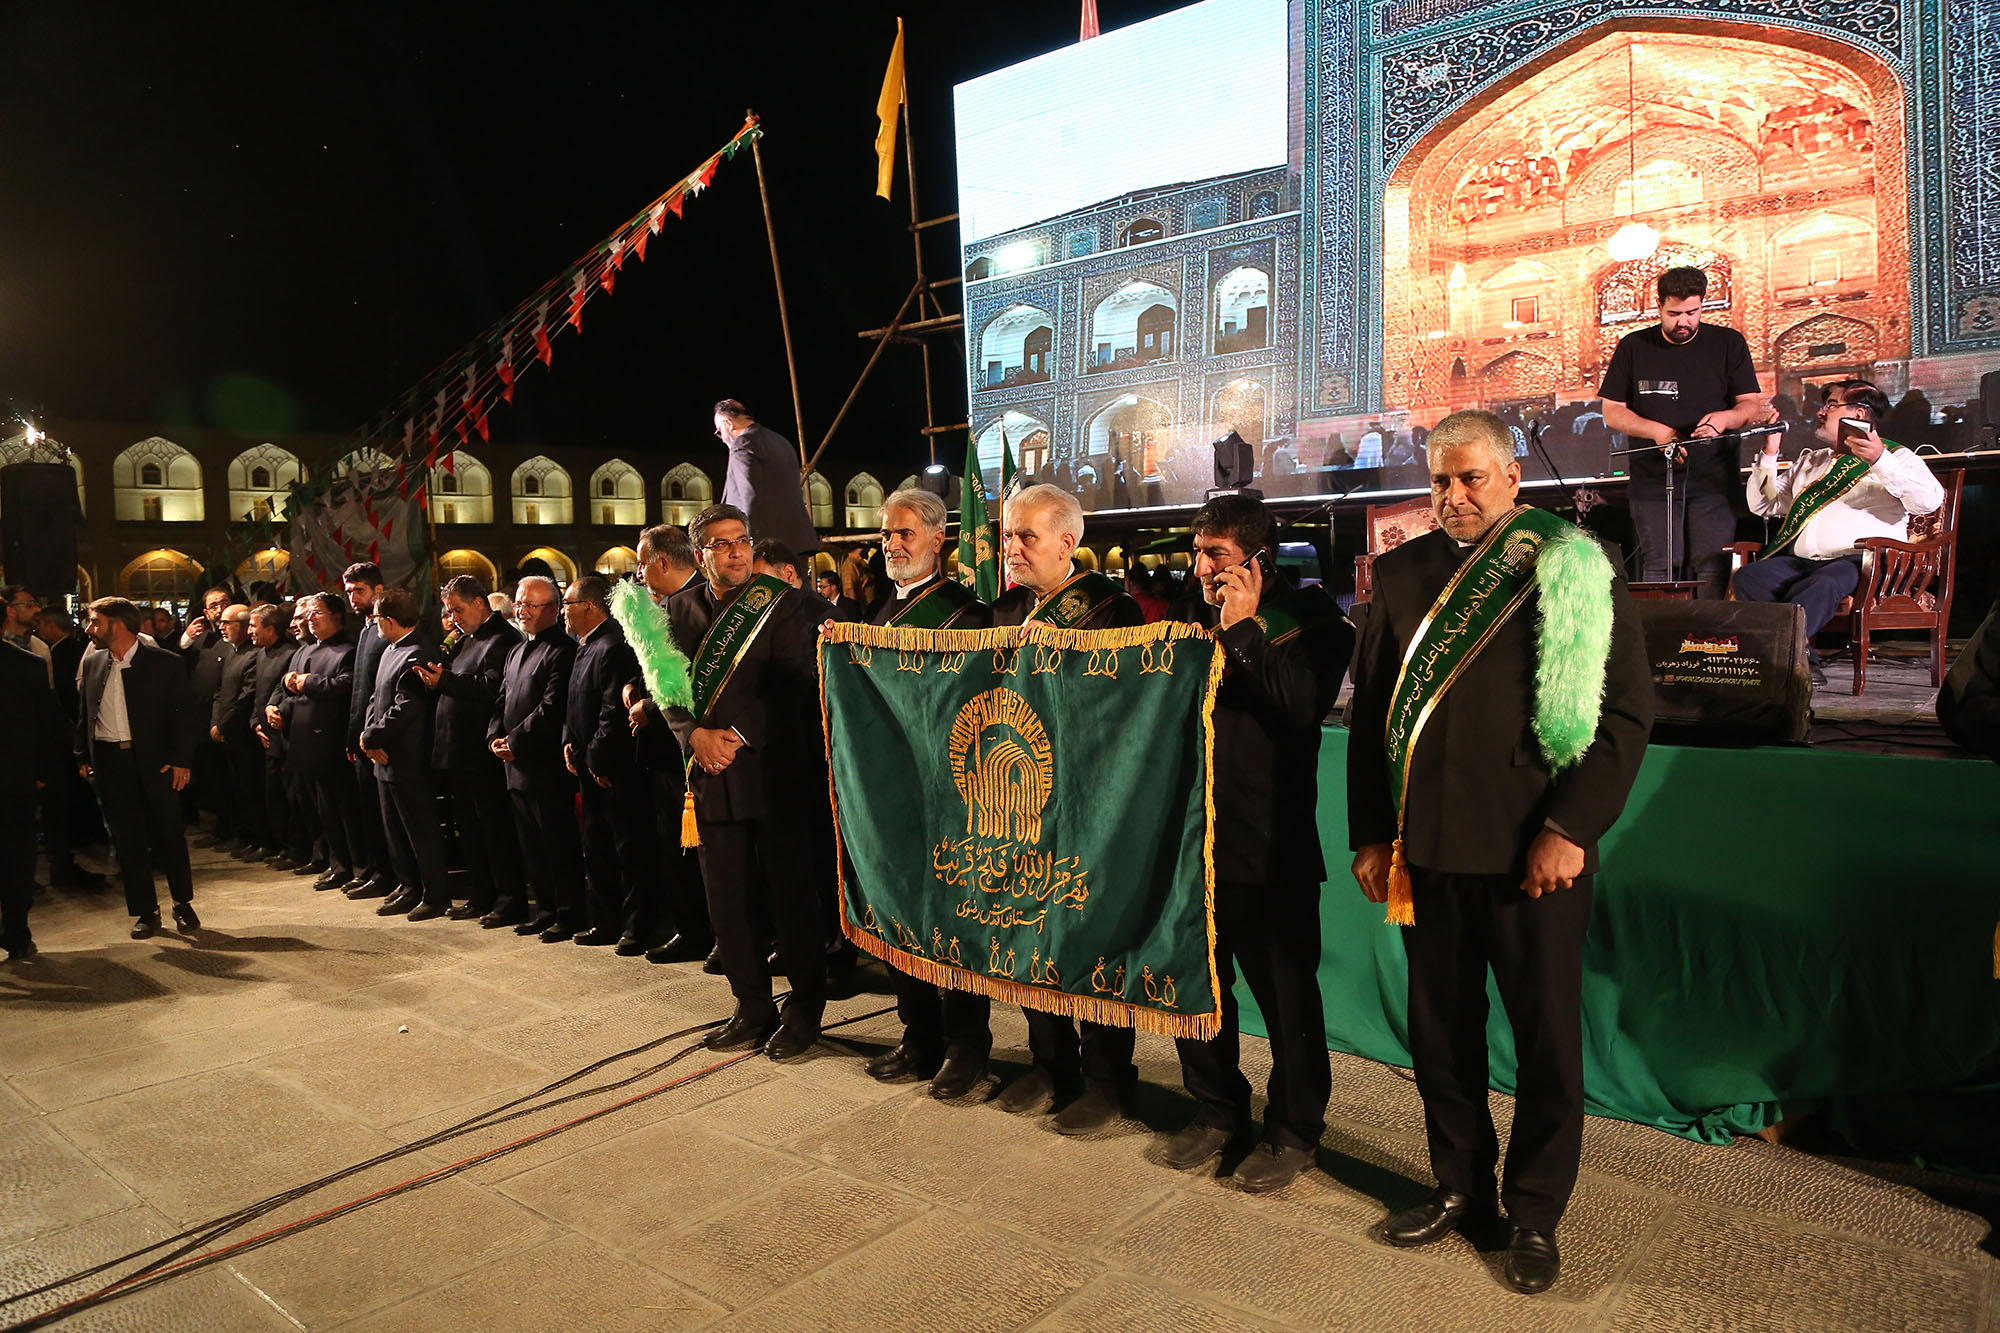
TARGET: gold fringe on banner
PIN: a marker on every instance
(908, 639)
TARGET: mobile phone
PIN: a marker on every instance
(1261, 558)
(1852, 428)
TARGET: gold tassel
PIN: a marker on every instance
(1402, 907)
(690, 831)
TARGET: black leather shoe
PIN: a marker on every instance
(1194, 1145)
(184, 918)
(1089, 1113)
(358, 886)
(251, 855)
(901, 1062)
(596, 935)
(792, 1041)
(374, 888)
(1818, 678)
(740, 1034)
(75, 876)
(1429, 1220)
(1271, 1166)
(281, 863)
(630, 946)
(399, 904)
(314, 868)
(958, 1076)
(558, 933)
(22, 953)
(1033, 1091)
(424, 911)
(467, 912)
(681, 949)
(330, 879)
(713, 965)
(1532, 1262)
(535, 925)
(144, 927)
(500, 920)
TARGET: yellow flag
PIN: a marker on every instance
(885, 111)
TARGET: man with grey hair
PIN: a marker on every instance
(1093, 1074)
(526, 735)
(229, 724)
(619, 847)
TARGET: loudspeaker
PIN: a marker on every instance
(1235, 462)
(1728, 672)
(1989, 398)
(38, 516)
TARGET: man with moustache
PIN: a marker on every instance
(752, 739)
(229, 724)
(361, 582)
(1092, 1074)
(1681, 384)
(396, 739)
(947, 1034)
(288, 837)
(468, 690)
(205, 649)
(321, 684)
(619, 848)
(526, 736)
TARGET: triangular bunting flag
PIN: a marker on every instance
(577, 296)
(542, 333)
(505, 367)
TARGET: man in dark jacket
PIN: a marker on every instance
(468, 690)
(33, 761)
(526, 735)
(204, 650)
(374, 877)
(229, 723)
(619, 848)
(288, 837)
(1287, 654)
(396, 739)
(321, 688)
(763, 479)
(136, 731)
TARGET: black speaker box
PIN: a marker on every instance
(38, 517)
(1731, 673)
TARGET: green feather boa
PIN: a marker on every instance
(651, 635)
(1573, 642)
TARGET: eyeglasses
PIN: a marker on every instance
(533, 606)
(723, 545)
(576, 601)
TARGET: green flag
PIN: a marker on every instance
(978, 534)
(1026, 811)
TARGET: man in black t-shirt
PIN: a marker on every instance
(1680, 385)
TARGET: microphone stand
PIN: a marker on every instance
(1535, 438)
(1667, 452)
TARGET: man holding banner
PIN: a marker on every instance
(1502, 700)
(1287, 653)
(946, 1035)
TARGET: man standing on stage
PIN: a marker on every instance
(946, 1033)
(1287, 654)
(1681, 384)
(1857, 485)
(1093, 1073)
(763, 479)
(1505, 623)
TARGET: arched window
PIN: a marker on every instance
(864, 501)
(448, 483)
(542, 492)
(260, 478)
(559, 563)
(620, 495)
(453, 563)
(979, 269)
(1131, 326)
(1140, 230)
(686, 491)
(1242, 310)
(1006, 343)
(159, 471)
(149, 475)
(819, 500)
(158, 576)
(531, 485)
(462, 492)
(618, 562)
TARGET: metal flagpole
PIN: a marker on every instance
(784, 315)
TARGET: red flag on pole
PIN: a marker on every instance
(576, 299)
(506, 367)
(1089, 26)
(542, 333)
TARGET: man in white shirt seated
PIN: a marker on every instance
(1856, 485)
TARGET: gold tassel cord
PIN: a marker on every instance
(690, 830)
(1402, 903)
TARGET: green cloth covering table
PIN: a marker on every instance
(1774, 930)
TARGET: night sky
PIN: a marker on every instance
(276, 219)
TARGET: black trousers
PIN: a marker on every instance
(289, 831)
(1466, 923)
(683, 899)
(368, 840)
(551, 850)
(246, 785)
(943, 1021)
(414, 835)
(485, 819)
(143, 812)
(1271, 933)
(1704, 521)
(210, 787)
(1101, 1057)
(339, 819)
(751, 862)
(1817, 585)
(17, 870)
(619, 848)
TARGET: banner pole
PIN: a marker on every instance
(784, 315)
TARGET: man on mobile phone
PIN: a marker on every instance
(1855, 485)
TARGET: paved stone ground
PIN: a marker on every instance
(152, 1085)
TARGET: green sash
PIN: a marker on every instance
(936, 607)
(736, 625)
(1072, 602)
(1292, 613)
(1843, 476)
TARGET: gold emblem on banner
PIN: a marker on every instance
(756, 598)
(1002, 765)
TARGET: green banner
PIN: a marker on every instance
(1027, 811)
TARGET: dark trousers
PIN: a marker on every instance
(339, 820)
(143, 812)
(210, 787)
(1270, 932)
(619, 848)
(732, 855)
(682, 896)
(368, 840)
(485, 819)
(246, 785)
(1817, 585)
(1704, 521)
(17, 870)
(1466, 923)
(414, 835)
(551, 850)
(1101, 1057)
(943, 1021)
(288, 832)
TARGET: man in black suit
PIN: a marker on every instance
(668, 565)
(526, 735)
(1093, 1073)
(762, 480)
(753, 752)
(619, 843)
(468, 691)
(396, 739)
(288, 838)
(844, 607)
(322, 686)
(1287, 654)
(374, 876)
(33, 762)
(204, 650)
(1499, 842)
(947, 1034)
(69, 809)
(136, 731)
(229, 724)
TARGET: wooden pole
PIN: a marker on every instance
(784, 315)
(917, 251)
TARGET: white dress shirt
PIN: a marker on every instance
(114, 723)
(1898, 485)
(905, 591)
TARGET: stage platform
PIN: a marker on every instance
(151, 1085)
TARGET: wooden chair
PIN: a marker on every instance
(1904, 584)
(1389, 526)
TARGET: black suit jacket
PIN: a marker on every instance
(596, 727)
(762, 479)
(1479, 790)
(976, 616)
(1267, 729)
(203, 662)
(65, 657)
(168, 722)
(534, 695)
(1119, 611)
(771, 700)
(317, 723)
(268, 687)
(399, 710)
(234, 692)
(468, 692)
(35, 745)
(368, 646)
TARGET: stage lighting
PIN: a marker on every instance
(937, 479)
(1235, 465)
(1634, 240)
(1020, 255)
